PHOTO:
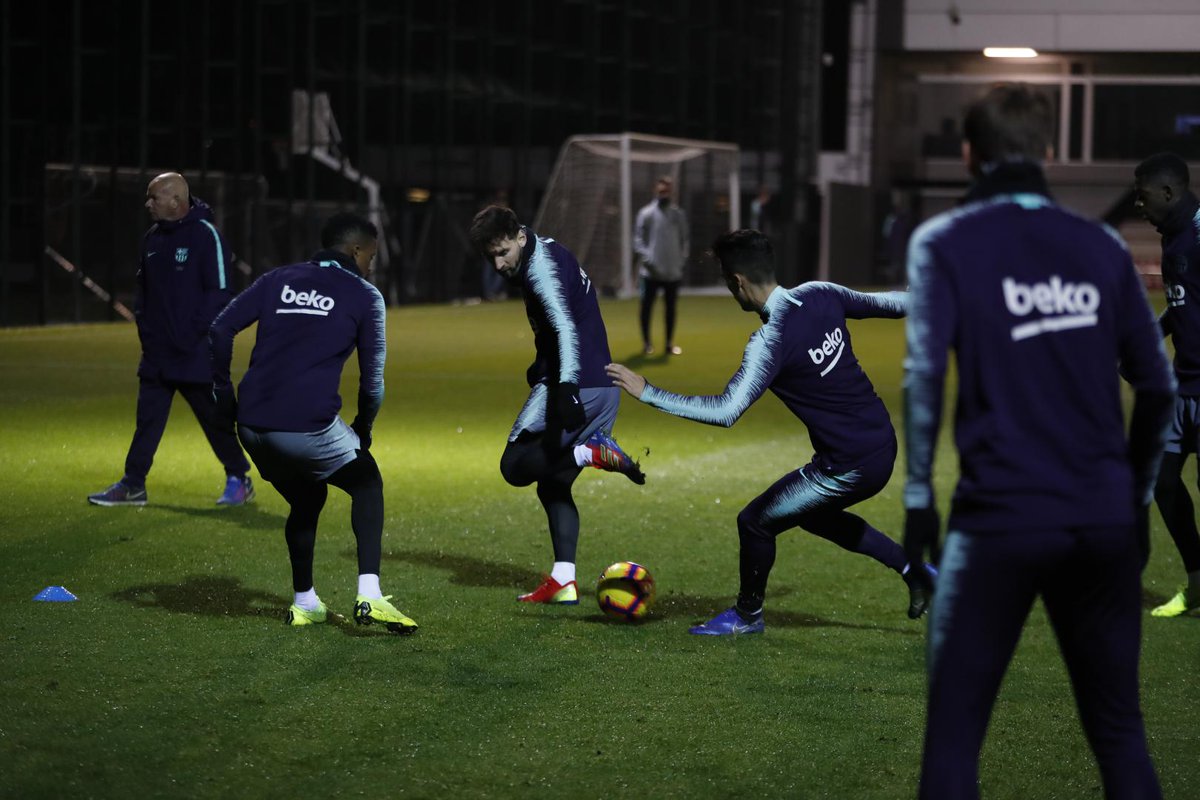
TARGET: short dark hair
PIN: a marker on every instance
(748, 253)
(1011, 121)
(1167, 167)
(492, 224)
(346, 228)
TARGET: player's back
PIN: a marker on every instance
(819, 378)
(311, 316)
(1039, 299)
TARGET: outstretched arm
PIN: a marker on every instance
(865, 305)
(758, 370)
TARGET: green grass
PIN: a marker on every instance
(174, 676)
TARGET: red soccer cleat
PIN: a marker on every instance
(552, 592)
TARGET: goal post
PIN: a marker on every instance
(600, 181)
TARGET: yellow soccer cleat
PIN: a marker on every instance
(302, 616)
(378, 611)
(1176, 606)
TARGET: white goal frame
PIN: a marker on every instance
(670, 152)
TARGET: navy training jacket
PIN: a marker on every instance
(183, 282)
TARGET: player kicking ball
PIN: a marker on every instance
(311, 316)
(566, 423)
(802, 353)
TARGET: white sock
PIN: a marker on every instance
(308, 600)
(368, 587)
(563, 572)
(583, 455)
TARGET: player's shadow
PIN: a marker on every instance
(693, 608)
(470, 571)
(638, 359)
(224, 596)
(247, 516)
(210, 595)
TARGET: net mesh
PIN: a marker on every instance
(582, 204)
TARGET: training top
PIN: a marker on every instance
(560, 301)
(803, 354)
(311, 316)
(1181, 281)
(182, 284)
(1040, 305)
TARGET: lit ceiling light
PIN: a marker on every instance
(1010, 52)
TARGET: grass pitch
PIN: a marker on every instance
(174, 676)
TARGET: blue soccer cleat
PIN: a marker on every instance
(608, 455)
(238, 491)
(728, 623)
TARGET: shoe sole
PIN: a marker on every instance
(696, 632)
(115, 503)
(549, 602)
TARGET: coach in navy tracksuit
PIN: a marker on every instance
(1039, 305)
(802, 354)
(1161, 193)
(311, 316)
(183, 282)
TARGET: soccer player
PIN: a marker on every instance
(182, 284)
(311, 316)
(1040, 305)
(1161, 193)
(803, 354)
(566, 423)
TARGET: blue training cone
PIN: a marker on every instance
(55, 594)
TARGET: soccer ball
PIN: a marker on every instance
(625, 591)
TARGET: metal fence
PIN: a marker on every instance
(280, 111)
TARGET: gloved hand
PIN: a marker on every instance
(921, 529)
(225, 415)
(567, 406)
(363, 429)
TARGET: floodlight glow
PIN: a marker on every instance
(1010, 52)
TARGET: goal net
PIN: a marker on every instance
(600, 181)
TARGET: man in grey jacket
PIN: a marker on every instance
(661, 239)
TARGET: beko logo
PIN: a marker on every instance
(831, 348)
(1063, 305)
(308, 302)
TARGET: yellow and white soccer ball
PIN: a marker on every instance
(625, 591)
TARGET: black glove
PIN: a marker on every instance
(225, 415)
(921, 529)
(363, 429)
(568, 407)
(1141, 530)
